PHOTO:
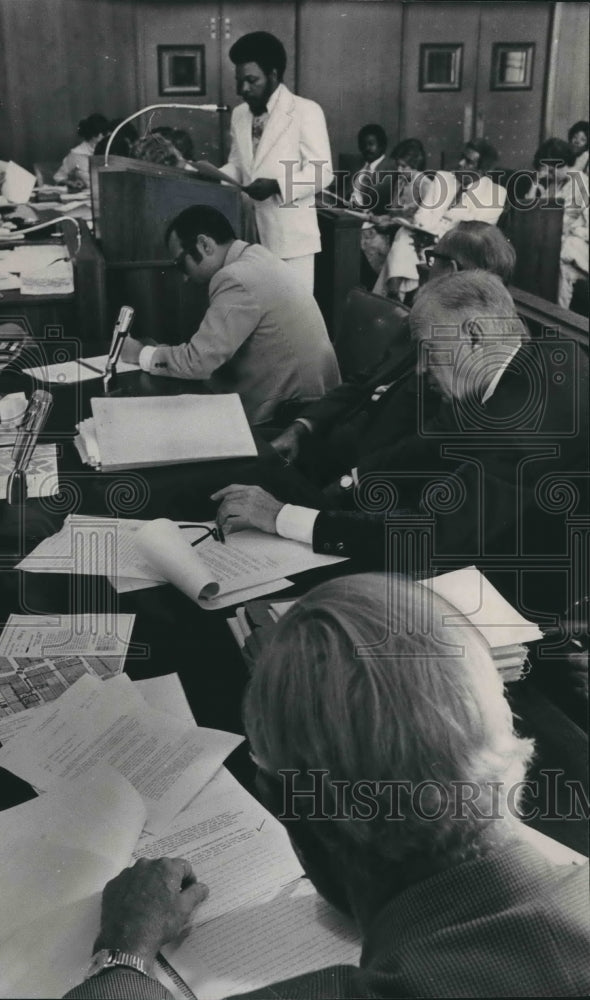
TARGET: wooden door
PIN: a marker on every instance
(182, 24)
(348, 61)
(441, 118)
(512, 118)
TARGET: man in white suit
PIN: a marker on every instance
(280, 151)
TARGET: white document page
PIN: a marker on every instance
(94, 723)
(234, 844)
(475, 597)
(186, 428)
(213, 569)
(61, 635)
(166, 694)
(264, 942)
(57, 853)
(79, 370)
(88, 545)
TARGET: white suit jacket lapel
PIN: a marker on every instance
(244, 135)
(279, 120)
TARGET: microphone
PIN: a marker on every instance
(122, 327)
(26, 439)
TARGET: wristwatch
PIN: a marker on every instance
(346, 482)
(108, 958)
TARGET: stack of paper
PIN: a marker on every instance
(43, 269)
(181, 429)
(503, 628)
(138, 554)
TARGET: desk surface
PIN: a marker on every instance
(171, 633)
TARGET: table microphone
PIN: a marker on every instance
(122, 327)
(26, 439)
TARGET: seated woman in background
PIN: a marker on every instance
(558, 180)
(398, 195)
(578, 140)
(75, 168)
(469, 195)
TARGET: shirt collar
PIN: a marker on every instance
(494, 383)
(235, 251)
(270, 104)
(372, 166)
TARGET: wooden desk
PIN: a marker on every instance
(173, 634)
(81, 315)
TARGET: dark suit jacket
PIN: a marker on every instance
(350, 426)
(505, 480)
(508, 924)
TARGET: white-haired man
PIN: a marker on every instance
(512, 417)
(449, 895)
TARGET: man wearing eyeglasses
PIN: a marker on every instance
(479, 472)
(263, 335)
(375, 411)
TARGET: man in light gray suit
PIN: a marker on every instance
(263, 335)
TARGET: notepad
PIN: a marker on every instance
(135, 432)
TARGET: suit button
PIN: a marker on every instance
(327, 547)
(339, 546)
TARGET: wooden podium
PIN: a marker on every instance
(133, 202)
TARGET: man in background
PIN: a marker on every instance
(280, 151)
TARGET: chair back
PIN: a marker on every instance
(371, 325)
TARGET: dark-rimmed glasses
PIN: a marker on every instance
(209, 532)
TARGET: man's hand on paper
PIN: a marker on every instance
(148, 905)
(262, 188)
(131, 350)
(288, 443)
(246, 507)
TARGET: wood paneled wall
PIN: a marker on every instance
(64, 59)
(349, 61)
(569, 81)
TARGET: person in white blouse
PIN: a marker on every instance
(75, 167)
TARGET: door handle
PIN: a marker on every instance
(479, 125)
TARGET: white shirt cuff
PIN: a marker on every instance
(306, 423)
(145, 357)
(296, 523)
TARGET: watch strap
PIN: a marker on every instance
(110, 958)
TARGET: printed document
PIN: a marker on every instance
(166, 761)
(235, 846)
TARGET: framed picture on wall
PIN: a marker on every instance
(181, 70)
(441, 67)
(512, 66)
